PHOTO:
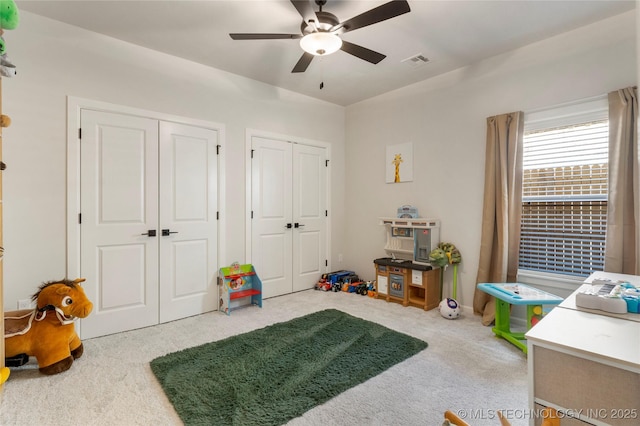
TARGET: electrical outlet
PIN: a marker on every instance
(24, 304)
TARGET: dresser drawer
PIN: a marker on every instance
(585, 386)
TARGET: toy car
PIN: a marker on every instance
(362, 288)
(323, 284)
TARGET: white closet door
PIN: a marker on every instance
(309, 213)
(188, 224)
(119, 205)
(271, 206)
(289, 225)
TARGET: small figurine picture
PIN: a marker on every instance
(236, 283)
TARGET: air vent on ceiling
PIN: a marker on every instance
(416, 60)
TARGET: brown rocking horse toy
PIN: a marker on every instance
(47, 332)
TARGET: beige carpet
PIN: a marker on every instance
(464, 368)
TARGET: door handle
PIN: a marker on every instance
(150, 233)
(166, 232)
(299, 225)
(288, 226)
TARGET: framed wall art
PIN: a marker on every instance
(399, 160)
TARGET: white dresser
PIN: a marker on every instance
(586, 363)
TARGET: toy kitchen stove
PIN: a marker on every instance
(396, 282)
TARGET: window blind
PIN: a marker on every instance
(564, 198)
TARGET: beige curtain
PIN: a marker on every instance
(622, 249)
(502, 208)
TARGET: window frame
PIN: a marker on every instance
(586, 110)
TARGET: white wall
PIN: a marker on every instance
(445, 118)
(56, 60)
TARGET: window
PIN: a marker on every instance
(564, 199)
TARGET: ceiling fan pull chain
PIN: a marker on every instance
(321, 71)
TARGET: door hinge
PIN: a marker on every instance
(326, 213)
(252, 153)
(251, 214)
(80, 133)
(326, 163)
(79, 217)
(217, 215)
(326, 262)
(218, 149)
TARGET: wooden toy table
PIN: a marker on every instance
(507, 294)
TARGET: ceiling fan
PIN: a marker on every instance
(320, 31)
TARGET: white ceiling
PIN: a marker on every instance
(450, 33)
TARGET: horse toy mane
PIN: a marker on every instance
(47, 332)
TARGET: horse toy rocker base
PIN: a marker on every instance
(47, 332)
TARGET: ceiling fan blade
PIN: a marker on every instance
(305, 9)
(303, 62)
(259, 36)
(362, 52)
(373, 16)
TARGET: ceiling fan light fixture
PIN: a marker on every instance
(321, 43)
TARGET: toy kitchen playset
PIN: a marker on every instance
(406, 276)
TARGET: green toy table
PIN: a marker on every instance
(507, 294)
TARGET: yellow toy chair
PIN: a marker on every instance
(4, 374)
(549, 415)
(451, 419)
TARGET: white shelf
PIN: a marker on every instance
(395, 250)
(401, 222)
(401, 244)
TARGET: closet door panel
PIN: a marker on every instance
(309, 212)
(119, 205)
(190, 165)
(122, 267)
(188, 207)
(271, 244)
(190, 263)
(121, 174)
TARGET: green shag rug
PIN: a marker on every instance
(272, 375)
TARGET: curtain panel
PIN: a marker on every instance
(622, 244)
(502, 208)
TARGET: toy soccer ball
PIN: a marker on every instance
(449, 308)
